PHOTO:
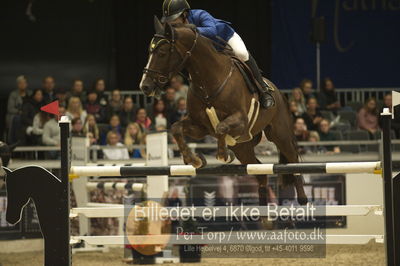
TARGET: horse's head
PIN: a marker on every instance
(15, 202)
(167, 57)
(5, 152)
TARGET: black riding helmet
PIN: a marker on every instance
(172, 9)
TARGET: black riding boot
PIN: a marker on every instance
(266, 98)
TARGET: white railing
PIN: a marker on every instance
(345, 95)
(209, 146)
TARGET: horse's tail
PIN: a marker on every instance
(290, 178)
(290, 118)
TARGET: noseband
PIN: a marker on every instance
(160, 78)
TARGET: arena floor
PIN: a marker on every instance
(371, 254)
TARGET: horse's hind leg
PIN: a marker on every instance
(245, 154)
(285, 142)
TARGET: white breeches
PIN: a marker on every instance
(239, 48)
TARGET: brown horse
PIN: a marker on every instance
(219, 103)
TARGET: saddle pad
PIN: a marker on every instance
(252, 116)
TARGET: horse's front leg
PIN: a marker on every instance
(233, 125)
(186, 127)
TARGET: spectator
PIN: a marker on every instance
(91, 127)
(100, 88)
(300, 130)
(169, 100)
(92, 132)
(327, 98)
(93, 107)
(113, 142)
(77, 90)
(48, 90)
(35, 133)
(180, 88)
(62, 110)
(128, 113)
(294, 110)
(29, 109)
(134, 136)
(61, 96)
(51, 132)
(306, 87)
(159, 114)
(143, 120)
(77, 127)
(301, 133)
(326, 135)
(14, 108)
(75, 109)
(367, 117)
(115, 126)
(115, 103)
(51, 136)
(312, 116)
(92, 140)
(298, 97)
(180, 112)
(314, 137)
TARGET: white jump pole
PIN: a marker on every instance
(250, 169)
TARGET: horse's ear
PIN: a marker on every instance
(158, 27)
(13, 146)
(169, 32)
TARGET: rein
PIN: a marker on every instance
(207, 99)
(163, 78)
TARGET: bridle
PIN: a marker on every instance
(161, 79)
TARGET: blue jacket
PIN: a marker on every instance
(209, 26)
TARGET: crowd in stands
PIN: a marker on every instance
(115, 120)
(111, 120)
(320, 117)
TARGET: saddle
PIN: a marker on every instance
(252, 84)
(254, 109)
(247, 74)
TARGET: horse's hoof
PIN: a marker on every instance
(185, 161)
(301, 195)
(230, 157)
(200, 162)
(302, 200)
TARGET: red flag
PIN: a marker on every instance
(51, 108)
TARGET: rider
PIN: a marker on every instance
(208, 26)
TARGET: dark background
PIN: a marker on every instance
(102, 38)
(368, 54)
(134, 29)
(88, 39)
